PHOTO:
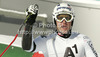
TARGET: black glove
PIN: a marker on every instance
(31, 13)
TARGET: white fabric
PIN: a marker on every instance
(77, 45)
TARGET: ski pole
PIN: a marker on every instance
(12, 40)
(9, 45)
(36, 9)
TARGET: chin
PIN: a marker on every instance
(64, 31)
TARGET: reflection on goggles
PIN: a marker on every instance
(61, 17)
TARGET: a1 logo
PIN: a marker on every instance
(69, 51)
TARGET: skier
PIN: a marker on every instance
(62, 43)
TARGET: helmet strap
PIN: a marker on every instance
(72, 22)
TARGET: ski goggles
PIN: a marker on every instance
(67, 17)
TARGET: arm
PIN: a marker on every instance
(89, 49)
(27, 40)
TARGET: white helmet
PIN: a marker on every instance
(62, 8)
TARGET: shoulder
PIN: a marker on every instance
(80, 36)
(85, 39)
(77, 35)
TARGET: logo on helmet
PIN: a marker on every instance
(69, 8)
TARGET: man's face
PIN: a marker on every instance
(63, 26)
